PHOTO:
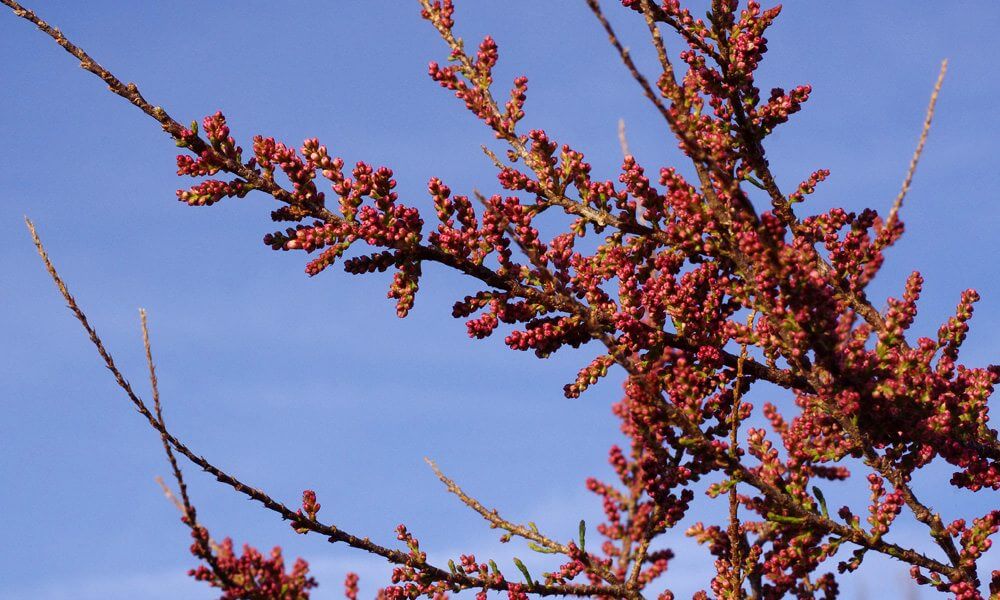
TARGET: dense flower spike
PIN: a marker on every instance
(251, 574)
(661, 273)
(351, 586)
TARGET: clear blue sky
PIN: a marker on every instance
(294, 383)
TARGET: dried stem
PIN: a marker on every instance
(522, 531)
(333, 533)
(915, 159)
(647, 88)
(169, 494)
(189, 511)
(736, 539)
(622, 139)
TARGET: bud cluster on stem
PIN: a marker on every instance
(686, 287)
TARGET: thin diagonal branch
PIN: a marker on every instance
(915, 159)
(622, 139)
(189, 510)
(654, 32)
(527, 533)
(633, 69)
(130, 92)
(333, 533)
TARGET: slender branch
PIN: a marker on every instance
(642, 551)
(735, 535)
(491, 514)
(647, 88)
(527, 533)
(333, 533)
(169, 494)
(925, 130)
(158, 409)
(663, 17)
(131, 93)
(622, 139)
(654, 32)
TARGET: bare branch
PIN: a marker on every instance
(915, 159)
(622, 140)
(189, 511)
(528, 533)
(333, 533)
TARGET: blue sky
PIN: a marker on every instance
(296, 383)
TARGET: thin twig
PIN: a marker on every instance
(158, 409)
(129, 91)
(522, 531)
(333, 533)
(208, 554)
(654, 32)
(493, 516)
(622, 140)
(169, 494)
(173, 499)
(915, 159)
(735, 535)
(637, 75)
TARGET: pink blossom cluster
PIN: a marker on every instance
(251, 574)
(681, 282)
(667, 294)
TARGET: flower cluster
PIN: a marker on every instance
(685, 285)
(666, 292)
(250, 575)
